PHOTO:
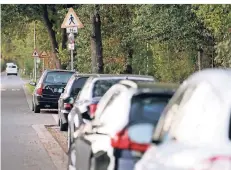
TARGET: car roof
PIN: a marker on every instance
(83, 75)
(150, 85)
(58, 70)
(98, 76)
(219, 78)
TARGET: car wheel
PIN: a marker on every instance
(62, 126)
(72, 158)
(92, 165)
(36, 109)
(32, 107)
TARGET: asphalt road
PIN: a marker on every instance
(20, 146)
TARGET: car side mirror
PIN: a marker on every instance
(32, 83)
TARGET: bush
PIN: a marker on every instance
(3, 65)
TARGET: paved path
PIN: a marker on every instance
(21, 147)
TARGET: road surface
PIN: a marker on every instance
(20, 145)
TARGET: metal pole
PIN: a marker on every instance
(72, 64)
(35, 58)
(43, 64)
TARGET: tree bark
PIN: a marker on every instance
(52, 36)
(64, 39)
(199, 57)
(96, 43)
(128, 69)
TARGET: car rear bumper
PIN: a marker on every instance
(46, 103)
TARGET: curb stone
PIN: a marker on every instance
(54, 150)
(28, 96)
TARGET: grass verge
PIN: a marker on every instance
(30, 88)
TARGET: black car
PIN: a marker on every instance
(67, 98)
(49, 88)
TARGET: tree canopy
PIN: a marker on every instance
(166, 41)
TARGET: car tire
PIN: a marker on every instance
(72, 158)
(36, 109)
(62, 126)
(92, 164)
(32, 106)
(100, 161)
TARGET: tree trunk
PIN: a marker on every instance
(96, 43)
(199, 58)
(52, 36)
(64, 39)
(128, 69)
(93, 54)
(64, 46)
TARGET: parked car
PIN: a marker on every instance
(86, 102)
(11, 69)
(123, 126)
(194, 132)
(49, 88)
(68, 97)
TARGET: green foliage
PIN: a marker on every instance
(165, 38)
(30, 88)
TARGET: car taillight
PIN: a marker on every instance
(67, 106)
(122, 141)
(92, 109)
(39, 90)
(215, 163)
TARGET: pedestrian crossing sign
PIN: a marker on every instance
(71, 20)
(35, 53)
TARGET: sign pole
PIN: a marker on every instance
(72, 24)
(35, 63)
(72, 62)
(43, 64)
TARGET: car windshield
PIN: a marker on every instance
(58, 77)
(78, 85)
(144, 114)
(101, 86)
(148, 107)
(12, 66)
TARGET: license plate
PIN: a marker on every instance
(60, 90)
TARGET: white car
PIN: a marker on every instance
(129, 110)
(194, 132)
(11, 69)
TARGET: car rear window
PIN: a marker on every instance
(12, 66)
(101, 86)
(58, 77)
(148, 107)
(78, 85)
